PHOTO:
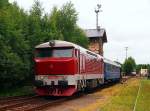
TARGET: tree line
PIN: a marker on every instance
(129, 66)
(21, 31)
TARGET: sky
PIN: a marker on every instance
(127, 24)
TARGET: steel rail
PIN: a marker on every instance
(5, 101)
(3, 108)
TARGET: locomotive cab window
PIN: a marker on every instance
(54, 52)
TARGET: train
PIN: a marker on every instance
(63, 68)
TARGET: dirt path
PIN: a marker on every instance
(94, 101)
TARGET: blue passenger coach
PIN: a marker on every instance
(112, 70)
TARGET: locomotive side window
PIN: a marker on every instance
(76, 53)
(56, 52)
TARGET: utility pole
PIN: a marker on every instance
(97, 10)
(126, 48)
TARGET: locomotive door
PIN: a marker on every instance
(82, 63)
(82, 70)
(77, 55)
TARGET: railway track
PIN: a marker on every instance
(33, 104)
(13, 99)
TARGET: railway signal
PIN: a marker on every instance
(97, 10)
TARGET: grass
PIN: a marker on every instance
(143, 102)
(111, 98)
(125, 99)
(20, 91)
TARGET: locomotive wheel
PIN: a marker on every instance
(79, 85)
(89, 88)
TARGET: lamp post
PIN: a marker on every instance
(126, 49)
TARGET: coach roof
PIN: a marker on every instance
(111, 62)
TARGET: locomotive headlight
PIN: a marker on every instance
(41, 77)
(64, 78)
(52, 43)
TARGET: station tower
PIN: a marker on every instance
(97, 37)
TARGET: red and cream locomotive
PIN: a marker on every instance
(63, 68)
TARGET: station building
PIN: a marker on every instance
(97, 38)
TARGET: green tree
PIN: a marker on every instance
(34, 24)
(129, 66)
(14, 48)
(64, 25)
(66, 21)
(3, 3)
(80, 38)
(55, 32)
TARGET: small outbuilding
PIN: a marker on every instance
(144, 72)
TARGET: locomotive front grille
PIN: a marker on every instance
(63, 84)
(57, 80)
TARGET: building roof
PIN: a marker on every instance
(91, 33)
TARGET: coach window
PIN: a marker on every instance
(108, 67)
(113, 68)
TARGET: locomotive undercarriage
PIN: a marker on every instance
(56, 90)
(85, 85)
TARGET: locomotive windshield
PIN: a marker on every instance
(57, 52)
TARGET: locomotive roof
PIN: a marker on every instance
(111, 62)
(60, 43)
